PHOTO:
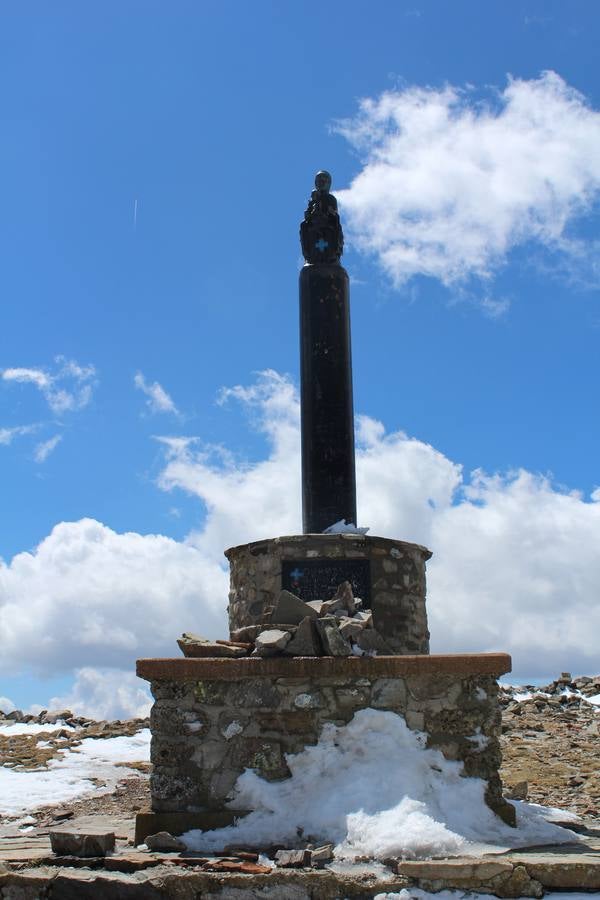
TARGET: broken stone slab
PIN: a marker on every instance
(244, 645)
(342, 599)
(270, 642)
(346, 595)
(334, 644)
(236, 865)
(60, 814)
(306, 640)
(370, 641)
(290, 610)
(69, 843)
(341, 614)
(317, 605)
(164, 842)
(365, 616)
(350, 628)
(194, 646)
(292, 859)
(320, 856)
(248, 633)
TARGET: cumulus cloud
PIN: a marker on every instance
(6, 705)
(43, 450)
(88, 596)
(157, 399)
(450, 183)
(106, 694)
(516, 559)
(66, 389)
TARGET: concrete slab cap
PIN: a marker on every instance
(178, 669)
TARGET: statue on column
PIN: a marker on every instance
(321, 233)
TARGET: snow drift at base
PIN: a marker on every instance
(374, 789)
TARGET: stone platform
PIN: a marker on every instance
(213, 718)
(29, 871)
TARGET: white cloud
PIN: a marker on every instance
(27, 376)
(516, 560)
(7, 435)
(157, 398)
(6, 705)
(43, 450)
(449, 184)
(106, 694)
(67, 389)
(88, 596)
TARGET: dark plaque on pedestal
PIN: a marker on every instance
(318, 579)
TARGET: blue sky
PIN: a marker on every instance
(157, 159)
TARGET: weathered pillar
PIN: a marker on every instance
(327, 417)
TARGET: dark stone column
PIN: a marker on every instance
(328, 475)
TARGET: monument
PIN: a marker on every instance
(323, 623)
(327, 418)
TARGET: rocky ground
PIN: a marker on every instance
(550, 741)
(550, 745)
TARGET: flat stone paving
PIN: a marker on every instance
(29, 871)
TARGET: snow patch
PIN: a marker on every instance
(231, 730)
(75, 774)
(375, 790)
(33, 728)
(479, 739)
(343, 527)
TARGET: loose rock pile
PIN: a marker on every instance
(336, 627)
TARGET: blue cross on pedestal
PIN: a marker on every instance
(321, 245)
(297, 573)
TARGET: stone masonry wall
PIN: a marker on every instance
(397, 581)
(206, 732)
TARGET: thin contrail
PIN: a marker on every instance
(134, 214)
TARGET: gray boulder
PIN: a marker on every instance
(371, 641)
(350, 628)
(272, 641)
(334, 644)
(194, 646)
(306, 640)
(163, 842)
(290, 610)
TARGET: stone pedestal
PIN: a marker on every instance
(213, 718)
(388, 575)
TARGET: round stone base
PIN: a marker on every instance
(388, 575)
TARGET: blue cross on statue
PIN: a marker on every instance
(297, 573)
(321, 245)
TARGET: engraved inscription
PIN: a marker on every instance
(318, 579)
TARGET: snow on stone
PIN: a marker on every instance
(343, 527)
(71, 775)
(374, 789)
(479, 739)
(231, 730)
